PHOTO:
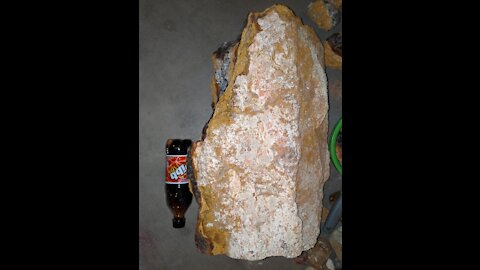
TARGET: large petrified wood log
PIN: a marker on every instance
(259, 170)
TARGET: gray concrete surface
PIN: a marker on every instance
(176, 40)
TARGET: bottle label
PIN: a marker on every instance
(176, 169)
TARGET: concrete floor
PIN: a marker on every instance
(176, 41)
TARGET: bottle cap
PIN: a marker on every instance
(179, 222)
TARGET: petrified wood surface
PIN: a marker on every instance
(259, 169)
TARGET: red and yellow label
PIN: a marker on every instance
(176, 169)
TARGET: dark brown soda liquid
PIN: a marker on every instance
(177, 191)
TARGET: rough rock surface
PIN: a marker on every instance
(259, 170)
(318, 255)
(324, 14)
(333, 51)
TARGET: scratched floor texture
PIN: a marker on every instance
(176, 40)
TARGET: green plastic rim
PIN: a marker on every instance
(333, 142)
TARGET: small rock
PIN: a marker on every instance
(324, 14)
(333, 51)
(330, 265)
(318, 255)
